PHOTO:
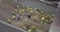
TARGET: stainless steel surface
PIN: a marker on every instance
(6, 28)
(50, 3)
(55, 27)
(36, 4)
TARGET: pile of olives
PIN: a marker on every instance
(43, 17)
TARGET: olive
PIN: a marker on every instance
(29, 16)
(38, 10)
(9, 22)
(13, 14)
(18, 19)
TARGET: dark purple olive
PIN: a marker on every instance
(29, 16)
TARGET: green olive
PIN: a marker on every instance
(43, 18)
(9, 21)
(13, 16)
(29, 31)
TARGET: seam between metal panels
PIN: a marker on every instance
(12, 26)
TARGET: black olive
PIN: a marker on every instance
(38, 10)
(27, 27)
(18, 19)
(29, 16)
(13, 14)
